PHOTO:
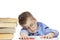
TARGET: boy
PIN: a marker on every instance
(30, 27)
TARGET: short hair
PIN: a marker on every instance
(23, 17)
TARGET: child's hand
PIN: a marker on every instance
(23, 37)
(48, 36)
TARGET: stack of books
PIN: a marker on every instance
(7, 28)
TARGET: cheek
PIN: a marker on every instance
(35, 25)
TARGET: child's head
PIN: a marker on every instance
(26, 20)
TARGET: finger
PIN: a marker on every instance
(26, 38)
(20, 38)
(46, 37)
(50, 37)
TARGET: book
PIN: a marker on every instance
(7, 30)
(6, 36)
(8, 22)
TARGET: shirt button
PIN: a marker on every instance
(37, 32)
(32, 33)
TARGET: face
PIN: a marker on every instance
(31, 25)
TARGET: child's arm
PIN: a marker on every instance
(23, 35)
(49, 33)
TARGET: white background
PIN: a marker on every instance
(46, 11)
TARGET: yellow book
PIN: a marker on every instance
(7, 30)
(6, 36)
(8, 22)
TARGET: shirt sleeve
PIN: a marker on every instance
(23, 31)
(47, 30)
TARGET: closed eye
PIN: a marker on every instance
(31, 24)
